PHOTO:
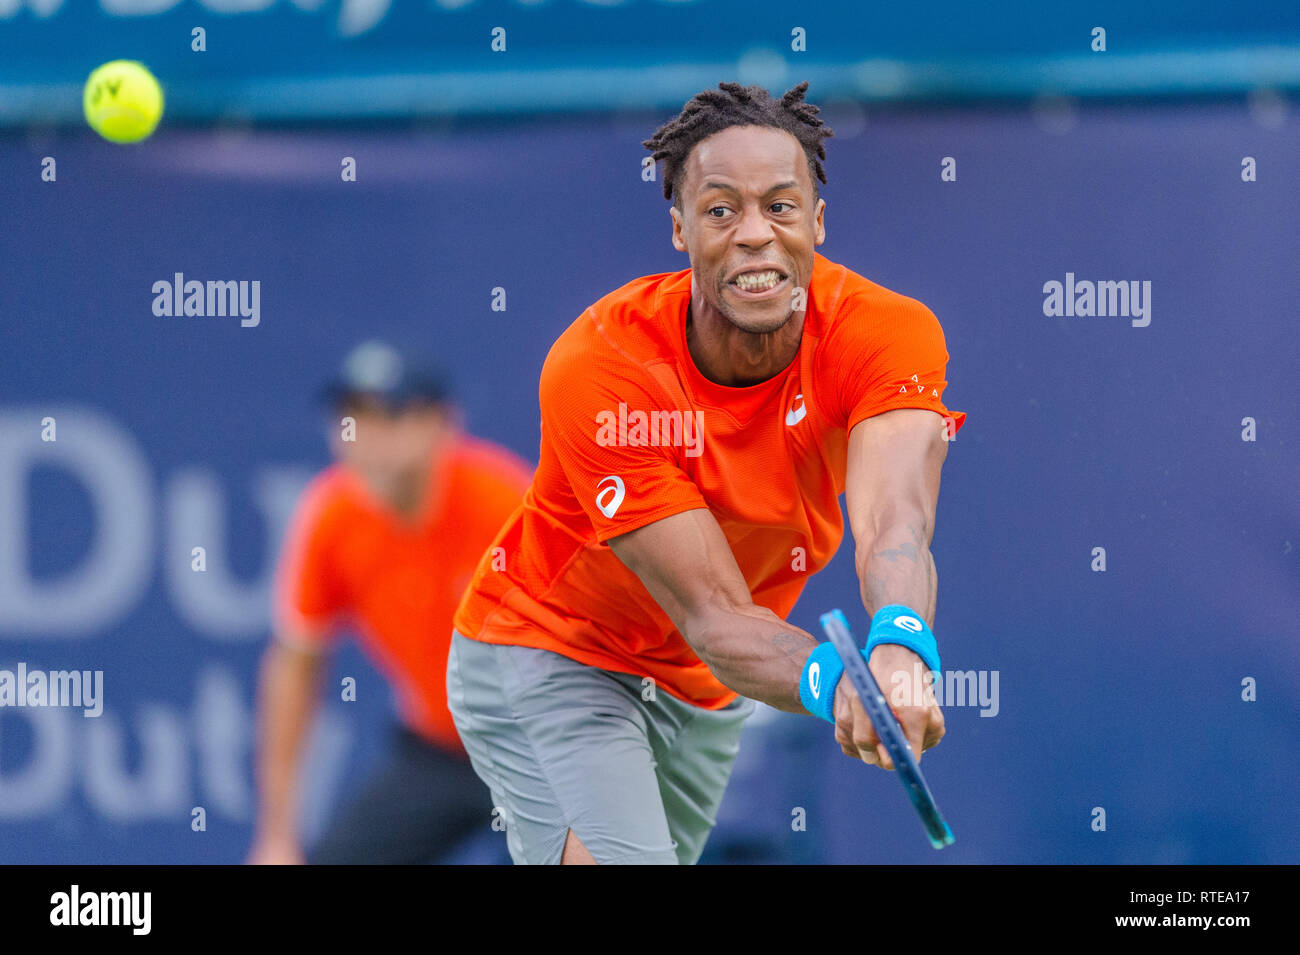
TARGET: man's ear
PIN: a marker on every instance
(679, 234)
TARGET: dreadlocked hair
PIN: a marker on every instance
(731, 104)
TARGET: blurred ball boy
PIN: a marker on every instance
(383, 543)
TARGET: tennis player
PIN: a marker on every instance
(382, 544)
(698, 428)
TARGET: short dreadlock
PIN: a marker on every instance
(731, 104)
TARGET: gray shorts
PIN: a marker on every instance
(562, 745)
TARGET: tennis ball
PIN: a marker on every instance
(123, 101)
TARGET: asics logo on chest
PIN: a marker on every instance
(797, 411)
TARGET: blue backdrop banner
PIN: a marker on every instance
(1118, 533)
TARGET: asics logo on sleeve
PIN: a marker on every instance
(609, 495)
(909, 623)
(797, 411)
(815, 680)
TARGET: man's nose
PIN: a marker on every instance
(754, 228)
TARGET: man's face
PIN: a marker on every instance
(747, 207)
(393, 447)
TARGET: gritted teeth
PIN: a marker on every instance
(758, 281)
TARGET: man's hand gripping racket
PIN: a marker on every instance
(887, 728)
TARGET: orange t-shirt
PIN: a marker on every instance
(348, 558)
(632, 433)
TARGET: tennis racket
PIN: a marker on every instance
(837, 629)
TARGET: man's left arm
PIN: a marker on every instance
(892, 491)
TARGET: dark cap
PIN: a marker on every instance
(378, 370)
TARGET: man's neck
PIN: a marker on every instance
(415, 496)
(408, 500)
(727, 355)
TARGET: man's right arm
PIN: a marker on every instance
(686, 564)
(289, 686)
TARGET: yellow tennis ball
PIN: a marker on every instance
(123, 101)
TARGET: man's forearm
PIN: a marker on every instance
(896, 567)
(754, 652)
(289, 687)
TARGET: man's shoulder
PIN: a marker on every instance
(850, 294)
(623, 331)
(329, 485)
(477, 458)
(327, 500)
(856, 309)
(641, 294)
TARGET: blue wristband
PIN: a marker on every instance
(900, 624)
(821, 675)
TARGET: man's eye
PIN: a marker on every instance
(788, 205)
(717, 209)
